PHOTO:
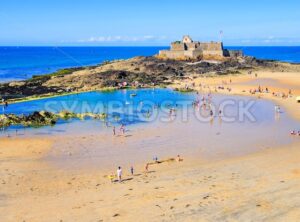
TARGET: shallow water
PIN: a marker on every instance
(152, 131)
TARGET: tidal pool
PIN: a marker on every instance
(158, 122)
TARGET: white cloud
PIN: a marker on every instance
(268, 40)
(103, 39)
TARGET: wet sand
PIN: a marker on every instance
(257, 186)
(262, 186)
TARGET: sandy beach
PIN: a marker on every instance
(262, 185)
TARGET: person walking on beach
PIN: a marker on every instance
(119, 174)
(147, 167)
(122, 129)
(114, 130)
(131, 170)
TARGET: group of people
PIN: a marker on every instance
(206, 104)
(119, 173)
(295, 133)
(122, 130)
(260, 89)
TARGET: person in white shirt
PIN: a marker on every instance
(119, 173)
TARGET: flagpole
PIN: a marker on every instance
(221, 35)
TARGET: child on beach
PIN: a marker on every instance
(111, 177)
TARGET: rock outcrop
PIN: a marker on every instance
(44, 118)
(135, 72)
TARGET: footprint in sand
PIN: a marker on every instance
(206, 197)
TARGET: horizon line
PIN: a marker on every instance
(139, 46)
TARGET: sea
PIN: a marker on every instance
(20, 63)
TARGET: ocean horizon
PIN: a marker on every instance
(22, 62)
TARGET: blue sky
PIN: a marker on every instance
(148, 22)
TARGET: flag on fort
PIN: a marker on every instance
(220, 35)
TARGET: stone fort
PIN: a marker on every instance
(187, 49)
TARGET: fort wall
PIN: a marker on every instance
(177, 46)
(188, 49)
